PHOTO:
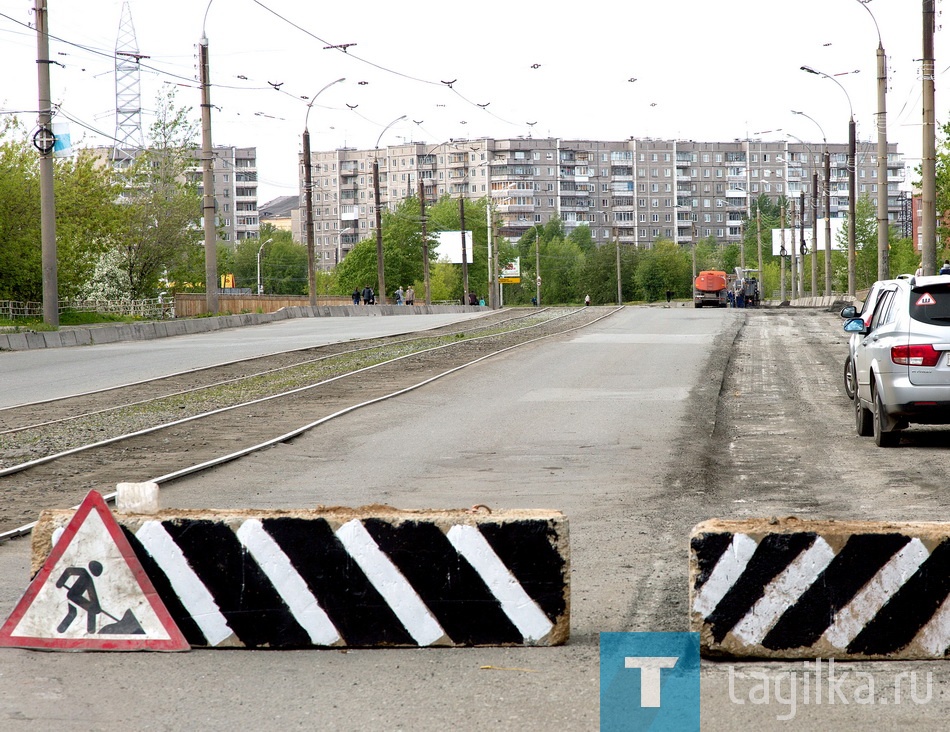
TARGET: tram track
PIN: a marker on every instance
(161, 438)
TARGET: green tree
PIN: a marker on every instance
(158, 221)
(84, 198)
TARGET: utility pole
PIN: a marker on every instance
(883, 247)
(928, 197)
(619, 288)
(852, 208)
(827, 222)
(537, 268)
(814, 233)
(783, 252)
(425, 241)
(207, 182)
(464, 253)
(44, 141)
(380, 272)
(758, 238)
(793, 262)
(492, 257)
(308, 212)
(801, 248)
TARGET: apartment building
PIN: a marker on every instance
(235, 192)
(235, 188)
(638, 191)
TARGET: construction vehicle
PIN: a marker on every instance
(711, 288)
(746, 285)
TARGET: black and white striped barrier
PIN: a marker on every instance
(807, 589)
(352, 577)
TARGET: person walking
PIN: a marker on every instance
(356, 295)
(945, 269)
(410, 295)
(399, 295)
(368, 295)
(586, 300)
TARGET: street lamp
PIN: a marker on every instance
(260, 282)
(883, 254)
(380, 271)
(308, 197)
(851, 185)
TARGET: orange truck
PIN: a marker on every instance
(711, 288)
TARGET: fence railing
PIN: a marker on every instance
(152, 308)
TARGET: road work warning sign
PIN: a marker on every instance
(92, 594)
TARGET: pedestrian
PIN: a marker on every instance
(367, 295)
(356, 295)
(410, 295)
(472, 298)
(586, 300)
(946, 267)
(398, 295)
(920, 270)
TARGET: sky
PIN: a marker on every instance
(704, 70)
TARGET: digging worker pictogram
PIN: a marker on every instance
(81, 594)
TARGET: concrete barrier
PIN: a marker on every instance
(365, 577)
(69, 336)
(787, 588)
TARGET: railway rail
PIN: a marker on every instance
(163, 429)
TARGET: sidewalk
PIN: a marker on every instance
(98, 334)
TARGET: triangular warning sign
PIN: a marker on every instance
(92, 594)
(926, 299)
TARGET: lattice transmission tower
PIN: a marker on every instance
(128, 99)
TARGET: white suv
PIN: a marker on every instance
(901, 361)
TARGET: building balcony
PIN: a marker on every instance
(347, 169)
(514, 208)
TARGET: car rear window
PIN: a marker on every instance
(931, 304)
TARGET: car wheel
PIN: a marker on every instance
(882, 438)
(862, 418)
(849, 378)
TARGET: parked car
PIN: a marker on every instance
(850, 311)
(901, 361)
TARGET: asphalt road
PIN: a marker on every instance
(636, 428)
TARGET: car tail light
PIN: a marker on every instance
(915, 355)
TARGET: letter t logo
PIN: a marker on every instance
(650, 675)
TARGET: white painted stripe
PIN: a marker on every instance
(390, 583)
(288, 583)
(730, 566)
(935, 635)
(783, 592)
(867, 603)
(527, 617)
(190, 590)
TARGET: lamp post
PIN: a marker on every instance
(380, 270)
(308, 197)
(851, 184)
(883, 249)
(260, 282)
(814, 247)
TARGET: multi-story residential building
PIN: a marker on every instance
(235, 192)
(638, 191)
(235, 188)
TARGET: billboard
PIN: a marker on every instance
(511, 272)
(793, 237)
(449, 247)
